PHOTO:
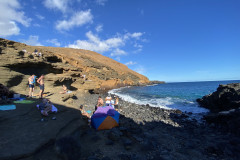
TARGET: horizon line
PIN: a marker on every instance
(201, 81)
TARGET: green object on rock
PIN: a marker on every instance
(24, 101)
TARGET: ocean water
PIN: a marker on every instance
(180, 95)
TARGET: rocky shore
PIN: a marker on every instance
(144, 133)
(153, 133)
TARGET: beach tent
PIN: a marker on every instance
(105, 118)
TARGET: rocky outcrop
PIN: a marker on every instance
(156, 82)
(225, 98)
(77, 68)
(224, 106)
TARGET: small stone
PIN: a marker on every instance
(95, 138)
(155, 118)
(114, 134)
(137, 138)
(178, 111)
(122, 128)
(92, 158)
(127, 143)
(109, 142)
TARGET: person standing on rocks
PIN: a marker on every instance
(34, 83)
(41, 85)
(108, 100)
(31, 85)
(116, 103)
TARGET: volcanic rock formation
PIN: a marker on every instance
(63, 66)
(224, 105)
(225, 98)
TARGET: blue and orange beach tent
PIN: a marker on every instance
(105, 118)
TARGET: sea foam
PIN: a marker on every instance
(165, 102)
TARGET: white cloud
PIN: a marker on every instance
(113, 44)
(54, 41)
(61, 5)
(8, 29)
(138, 45)
(10, 16)
(135, 35)
(139, 48)
(101, 2)
(36, 25)
(78, 19)
(130, 63)
(99, 28)
(94, 43)
(32, 40)
(118, 52)
(140, 69)
(118, 58)
(40, 17)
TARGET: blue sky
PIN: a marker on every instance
(170, 40)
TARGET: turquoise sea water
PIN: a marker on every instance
(180, 95)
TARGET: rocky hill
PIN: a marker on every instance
(63, 66)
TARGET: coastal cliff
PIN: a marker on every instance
(63, 66)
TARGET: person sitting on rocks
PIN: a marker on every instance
(84, 113)
(35, 52)
(24, 50)
(99, 103)
(65, 90)
(108, 100)
(84, 77)
(45, 107)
